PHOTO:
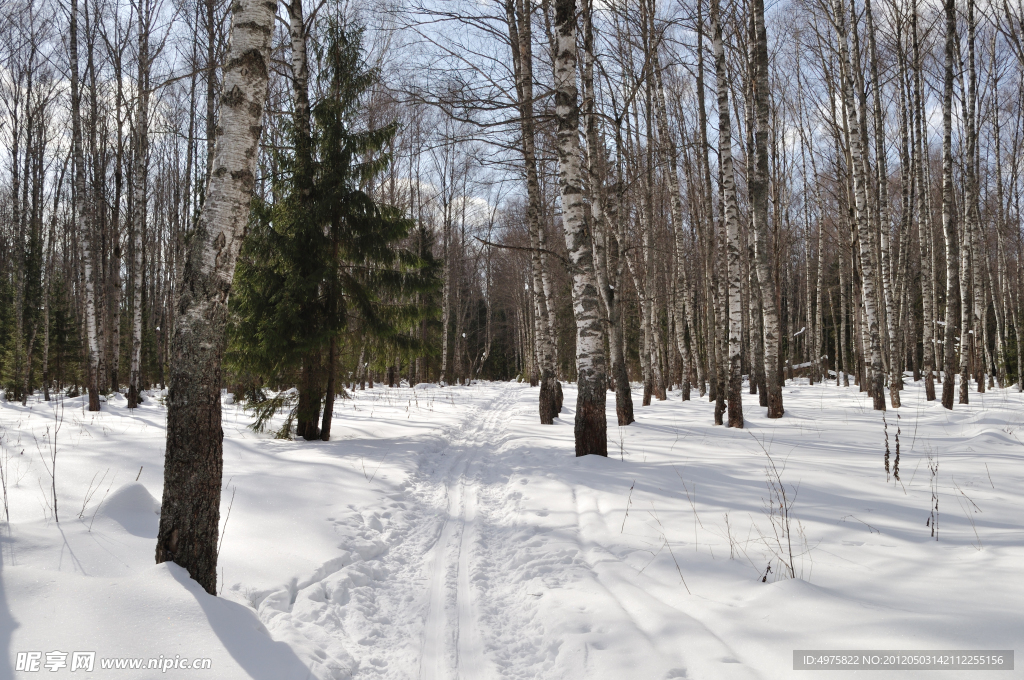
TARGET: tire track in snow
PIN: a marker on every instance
(451, 643)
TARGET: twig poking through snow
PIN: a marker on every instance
(664, 537)
(226, 518)
(90, 491)
(896, 466)
(629, 501)
(933, 518)
(870, 528)
(966, 511)
(101, 500)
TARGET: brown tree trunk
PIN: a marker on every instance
(332, 358)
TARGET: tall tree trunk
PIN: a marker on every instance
(683, 307)
(882, 217)
(211, 84)
(948, 227)
(972, 307)
(519, 14)
(732, 228)
(48, 285)
(924, 218)
(591, 426)
(193, 466)
(859, 171)
(83, 219)
(758, 187)
(1000, 289)
(139, 212)
(607, 262)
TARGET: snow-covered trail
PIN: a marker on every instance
(444, 534)
(471, 582)
(452, 646)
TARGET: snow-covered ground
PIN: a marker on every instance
(444, 533)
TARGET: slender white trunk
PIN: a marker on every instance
(948, 227)
(83, 219)
(519, 15)
(591, 426)
(732, 228)
(859, 172)
(758, 188)
(139, 203)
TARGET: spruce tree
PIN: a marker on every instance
(326, 253)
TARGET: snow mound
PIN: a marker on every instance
(117, 399)
(134, 508)
(156, 612)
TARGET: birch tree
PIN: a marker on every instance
(591, 426)
(193, 465)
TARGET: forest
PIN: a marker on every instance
(654, 206)
(823, 189)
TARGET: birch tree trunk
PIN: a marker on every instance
(882, 217)
(732, 228)
(83, 218)
(139, 203)
(591, 426)
(446, 294)
(607, 262)
(683, 307)
(758, 188)
(971, 329)
(190, 511)
(519, 15)
(948, 228)
(705, 169)
(859, 171)
(1000, 291)
(924, 226)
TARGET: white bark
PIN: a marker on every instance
(591, 425)
(732, 228)
(139, 203)
(864, 236)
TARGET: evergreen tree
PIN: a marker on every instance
(327, 257)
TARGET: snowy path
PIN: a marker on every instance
(452, 552)
(444, 534)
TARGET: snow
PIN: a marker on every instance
(444, 533)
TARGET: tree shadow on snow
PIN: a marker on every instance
(244, 636)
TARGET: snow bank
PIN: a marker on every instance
(156, 612)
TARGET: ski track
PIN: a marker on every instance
(440, 593)
(451, 643)
(403, 588)
(493, 561)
